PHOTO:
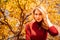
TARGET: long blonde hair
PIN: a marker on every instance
(43, 11)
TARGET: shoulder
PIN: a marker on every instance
(29, 23)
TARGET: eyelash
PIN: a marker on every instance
(39, 14)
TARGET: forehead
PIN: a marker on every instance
(37, 11)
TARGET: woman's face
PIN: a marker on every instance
(37, 15)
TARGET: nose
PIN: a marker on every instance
(38, 16)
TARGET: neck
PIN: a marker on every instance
(39, 23)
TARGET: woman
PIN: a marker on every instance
(40, 26)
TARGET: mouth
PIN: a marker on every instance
(38, 20)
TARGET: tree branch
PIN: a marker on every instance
(5, 22)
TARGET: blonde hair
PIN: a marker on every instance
(41, 8)
(43, 11)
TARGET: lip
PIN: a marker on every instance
(38, 19)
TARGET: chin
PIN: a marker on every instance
(38, 20)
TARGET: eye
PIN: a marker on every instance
(36, 14)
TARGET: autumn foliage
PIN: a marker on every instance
(14, 14)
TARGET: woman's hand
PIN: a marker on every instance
(47, 22)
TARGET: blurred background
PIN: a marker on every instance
(14, 14)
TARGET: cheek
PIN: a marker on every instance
(38, 18)
(35, 17)
(41, 17)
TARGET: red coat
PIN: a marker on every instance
(34, 33)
